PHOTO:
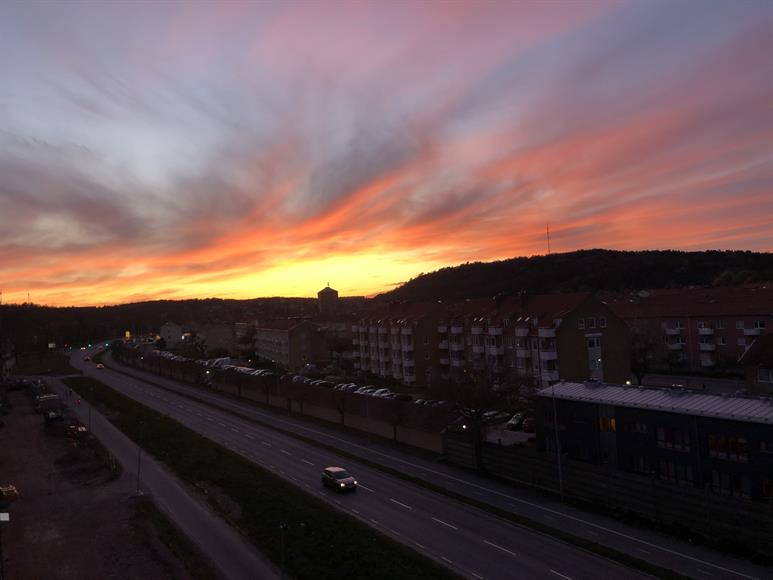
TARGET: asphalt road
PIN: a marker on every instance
(472, 542)
(231, 555)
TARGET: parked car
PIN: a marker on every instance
(516, 422)
(380, 393)
(339, 479)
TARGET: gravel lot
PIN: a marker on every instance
(75, 517)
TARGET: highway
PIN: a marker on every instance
(274, 447)
(471, 542)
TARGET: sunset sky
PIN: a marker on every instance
(234, 149)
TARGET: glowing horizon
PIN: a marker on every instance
(240, 150)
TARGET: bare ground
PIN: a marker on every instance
(75, 517)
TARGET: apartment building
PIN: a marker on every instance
(534, 340)
(717, 442)
(291, 343)
(697, 328)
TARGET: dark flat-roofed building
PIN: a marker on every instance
(721, 443)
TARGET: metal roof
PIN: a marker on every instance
(751, 409)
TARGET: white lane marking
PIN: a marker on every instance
(643, 551)
(355, 511)
(234, 429)
(560, 575)
(210, 419)
(250, 437)
(221, 424)
(337, 502)
(366, 488)
(374, 521)
(478, 576)
(445, 524)
(446, 559)
(285, 452)
(420, 545)
(307, 462)
(266, 443)
(400, 503)
(395, 532)
(498, 547)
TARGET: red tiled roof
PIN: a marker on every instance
(691, 302)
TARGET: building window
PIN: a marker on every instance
(732, 448)
(730, 483)
(641, 428)
(581, 323)
(603, 322)
(607, 424)
(721, 340)
(765, 375)
(739, 324)
(759, 324)
(426, 340)
(701, 324)
(594, 342)
(670, 438)
(679, 324)
(719, 324)
(591, 323)
(641, 464)
(674, 472)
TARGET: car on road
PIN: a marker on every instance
(100, 366)
(516, 422)
(339, 479)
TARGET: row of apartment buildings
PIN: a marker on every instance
(531, 339)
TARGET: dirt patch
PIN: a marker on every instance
(74, 517)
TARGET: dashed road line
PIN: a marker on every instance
(446, 559)
(285, 452)
(266, 443)
(400, 504)
(307, 462)
(560, 575)
(422, 546)
(498, 547)
(366, 488)
(445, 524)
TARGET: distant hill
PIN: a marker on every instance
(588, 271)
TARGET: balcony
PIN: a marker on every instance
(406, 331)
(522, 353)
(442, 328)
(478, 348)
(356, 341)
(495, 331)
(521, 331)
(705, 331)
(476, 330)
(407, 348)
(752, 331)
(495, 350)
(673, 331)
(456, 329)
(445, 361)
(383, 330)
(408, 362)
(548, 355)
(456, 347)
(394, 330)
(443, 345)
(458, 362)
(546, 332)
(674, 346)
(707, 347)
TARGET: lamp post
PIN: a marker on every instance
(558, 442)
(282, 530)
(4, 517)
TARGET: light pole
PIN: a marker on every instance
(282, 530)
(4, 517)
(558, 442)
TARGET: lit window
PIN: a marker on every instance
(603, 322)
(581, 323)
(591, 323)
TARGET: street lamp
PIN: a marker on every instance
(4, 517)
(282, 530)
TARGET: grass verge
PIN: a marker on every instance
(320, 542)
(196, 565)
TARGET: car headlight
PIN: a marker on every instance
(355, 482)
(343, 485)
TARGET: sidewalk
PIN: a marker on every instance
(229, 552)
